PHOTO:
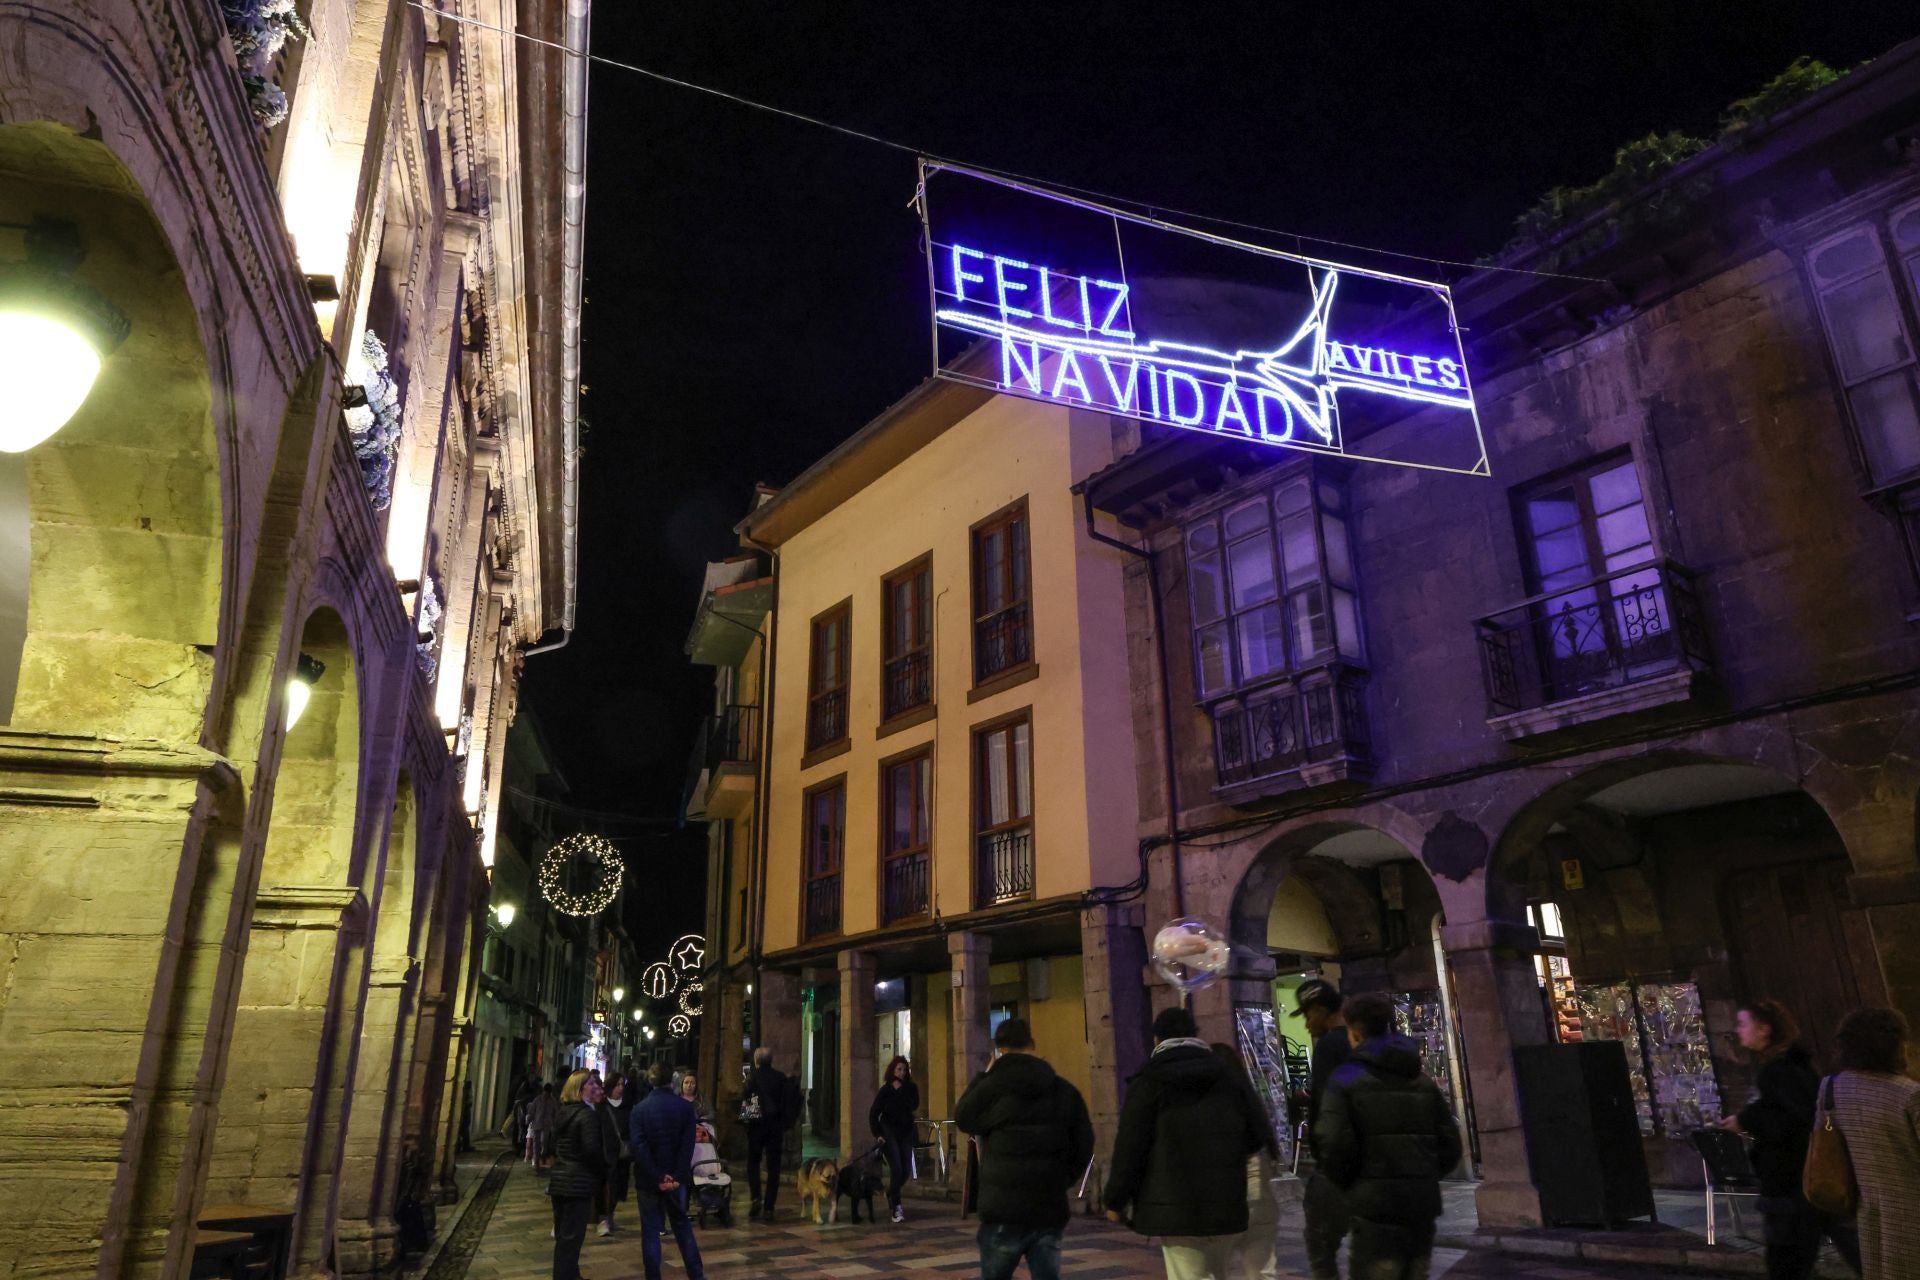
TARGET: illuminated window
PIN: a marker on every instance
(1002, 613)
(1866, 286)
(826, 842)
(906, 795)
(907, 628)
(827, 678)
(1003, 811)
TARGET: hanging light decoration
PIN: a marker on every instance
(306, 674)
(693, 999)
(553, 867)
(54, 333)
(678, 1025)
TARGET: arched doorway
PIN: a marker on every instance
(1667, 891)
(278, 1137)
(1351, 904)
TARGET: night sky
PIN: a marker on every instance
(755, 292)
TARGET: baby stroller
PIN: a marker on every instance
(712, 1184)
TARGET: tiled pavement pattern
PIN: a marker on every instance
(932, 1243)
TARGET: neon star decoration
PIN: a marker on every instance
(687, 953)
(679, 1024)
(1079, 337)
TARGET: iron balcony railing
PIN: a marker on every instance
(908, 683)
(733, 736)
(1318, 715)
(1610, 632)
(1002, 641)
(1004, 865)
(903, 888)
(823, 906)
(826, 718)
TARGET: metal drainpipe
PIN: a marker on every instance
(1166, 694)
(762, 801)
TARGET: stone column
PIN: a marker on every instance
(779, 1021)
(1118, 1015)
(972, 1000)
(1498, 1000)
(857, 1081)
(1892, 902)
(366, 1237)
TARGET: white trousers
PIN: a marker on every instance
(1247, 1256)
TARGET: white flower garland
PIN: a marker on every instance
(259, 29)
(375, 425)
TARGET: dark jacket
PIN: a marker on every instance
(893, 1111)
(770, 1087)
(1330, 1053)
(1386, 1136)
(579, 1152)
(1780, 1120)
(1180, 1157)
(662, 1140)
(1035, 1137)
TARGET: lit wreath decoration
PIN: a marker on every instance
(679, 1024)
(555, 861)
(693, 1000)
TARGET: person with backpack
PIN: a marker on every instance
(1035, 1142)
(1386, 1136)
(769, 1104)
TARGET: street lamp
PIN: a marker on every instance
(649, 1033)
(636, 1015)
(619, 994)
(54, 332)
(306, 674)
(504, 914)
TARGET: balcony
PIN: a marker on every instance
(903, 887)
(823, 906)
(1628, 643)
(1309, 732)
(1003, 865)
(826, 719)
(720, 776)
(1002, 641)
(906, 683)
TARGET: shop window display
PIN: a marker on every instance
(1674, 1086)
(1262, 1049)
(1422, 1017)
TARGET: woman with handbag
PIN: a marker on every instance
(1779, 1122)
(617, 1115)
(579, 1170)
(1869, 1124)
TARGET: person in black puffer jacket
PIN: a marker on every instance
(893, 1120)
(1780, 1122)
(1386, 1136)
(579, 1170)
(1180, 1157)
(1035, 1140)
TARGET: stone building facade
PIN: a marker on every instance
(1607, 743)
(236, 953)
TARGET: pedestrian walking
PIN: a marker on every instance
(766, 1112)
(615, 1112)
(1253, 1256)
(1779, 1122)
(662, 1146)
(1035, 1143)
(1179, 1166)
(1386, 1136)
(1876, 1108)
(542, 1112)
(1327, 1220)
(579, 1169)
(893, 1118)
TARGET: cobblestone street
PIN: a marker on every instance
(934, 1242)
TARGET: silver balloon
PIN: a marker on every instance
(1189, 953)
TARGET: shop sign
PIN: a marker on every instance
(1038, 295)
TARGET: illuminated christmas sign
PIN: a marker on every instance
(1060, 300)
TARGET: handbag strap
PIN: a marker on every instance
(1826, 1102)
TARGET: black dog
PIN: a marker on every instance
(860, 1179)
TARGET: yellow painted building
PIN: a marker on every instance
(948, 764)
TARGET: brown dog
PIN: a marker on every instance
(818, 1181)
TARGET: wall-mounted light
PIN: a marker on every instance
(54, 332)
(636, 1015)
(619, 994)
(749, 988)
(649, 1033)
(504, 914)
(306, 674)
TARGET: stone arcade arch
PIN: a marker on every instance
(1684, 884)
(285, 1096)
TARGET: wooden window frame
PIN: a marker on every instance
(978, 791)
(1014, 513)
(1579, 478)
(842, 614)
(923, 752)
(808, 875)
(899, 716)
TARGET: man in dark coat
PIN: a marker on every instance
(1180, 1157)
(661, 1144)
(1386, 1136)
(1035, 1141)
(1318, 1002)
(763, 1111)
